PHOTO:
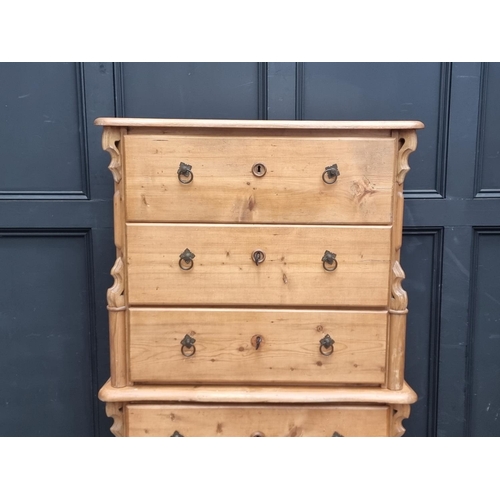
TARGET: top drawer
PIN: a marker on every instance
(292, 190)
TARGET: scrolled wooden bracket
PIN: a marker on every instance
(115, 294)
(110, 139)
(399, 297)
(115, 411)
(399, 413)
(407, 144)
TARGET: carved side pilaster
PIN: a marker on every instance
(399, 413)
(398, 300)
(111, 139)
(397, 334)
(115, 411)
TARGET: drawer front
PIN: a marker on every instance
(256, 421)
(223, 272)
(224, 189)
(257, 346)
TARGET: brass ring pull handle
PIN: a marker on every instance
(330, 174)
(186, 260)
(258, 434)
(337, 435)
(326, 345)
(259, 170)
(329, 261)
(184, 173)
(258, 256)
(176, 434)
(188, 349)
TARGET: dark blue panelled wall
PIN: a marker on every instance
(56, 238)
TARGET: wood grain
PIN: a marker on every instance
(259, 124)
(224, 273)
(292, 191)
(288, 353)
(247, 421)
(255, 394)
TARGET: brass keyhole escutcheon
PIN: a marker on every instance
(258, 256)
(259, 170)
(256, 341)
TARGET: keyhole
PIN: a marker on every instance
(256, 341)
(258, 256)
(259, 170)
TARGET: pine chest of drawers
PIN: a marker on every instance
(257, 281)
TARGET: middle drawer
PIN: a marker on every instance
(252, 346)
(294, 268)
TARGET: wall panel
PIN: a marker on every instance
(45, 335)
(43, 131)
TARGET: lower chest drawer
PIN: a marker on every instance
(256, 421)
(242, 346)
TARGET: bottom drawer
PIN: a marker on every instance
(256, 421)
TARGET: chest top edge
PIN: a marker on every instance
(259, 124)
